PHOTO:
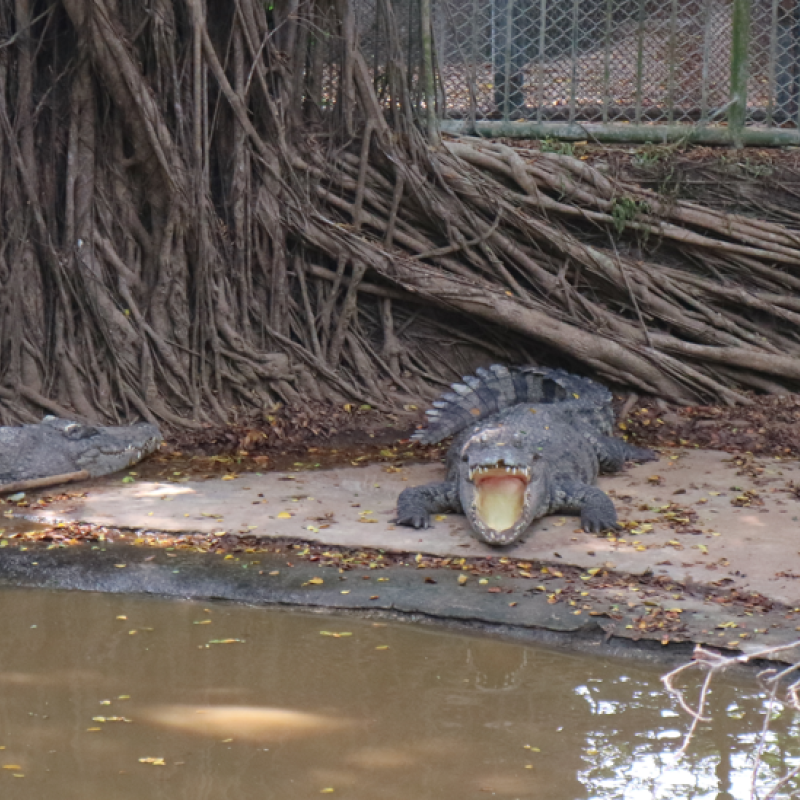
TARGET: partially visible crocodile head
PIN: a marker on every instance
(102, 451)
(502, 484)
(59, 446)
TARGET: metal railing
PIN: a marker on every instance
(715, 71)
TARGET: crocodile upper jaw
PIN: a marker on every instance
(501, 501)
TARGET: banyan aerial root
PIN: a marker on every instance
(215, 206)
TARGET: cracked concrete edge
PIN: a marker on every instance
(206, 577)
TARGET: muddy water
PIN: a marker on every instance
(11, 525)
(127, 698)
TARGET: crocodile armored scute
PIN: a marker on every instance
(60, 446)
(528, 442)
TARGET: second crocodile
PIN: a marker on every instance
(530, 442)
(58, 450)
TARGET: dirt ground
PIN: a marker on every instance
(759, 182)
(327, 436)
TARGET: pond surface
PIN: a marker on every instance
(109, 697)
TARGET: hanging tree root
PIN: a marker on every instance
(230, 214)
(779, 685)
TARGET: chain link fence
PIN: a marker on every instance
(630, 69)
(715, 71)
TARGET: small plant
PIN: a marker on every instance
(550, 145)
(756, 169)
(625, 210)
(651, 155)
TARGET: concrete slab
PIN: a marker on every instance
(701, 517)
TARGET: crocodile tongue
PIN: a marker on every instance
(500, 498)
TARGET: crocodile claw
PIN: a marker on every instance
(642, 454)
(597, 521)
(416, 520)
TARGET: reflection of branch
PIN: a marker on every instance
(773, 792)
(706, 659)
(762, 739)
(771, 680)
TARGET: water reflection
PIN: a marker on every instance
(496, 669)
(107, 696)
(249, 723)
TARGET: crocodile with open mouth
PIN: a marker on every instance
(57, 450)
(530, 442)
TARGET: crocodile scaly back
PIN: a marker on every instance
(497, 388)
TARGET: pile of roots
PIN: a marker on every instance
(214, 205)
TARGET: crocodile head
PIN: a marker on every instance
(502, 484)
(100, 450)
(56, 447)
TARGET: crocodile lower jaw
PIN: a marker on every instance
(500, 497)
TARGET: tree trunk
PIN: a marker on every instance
(213, 206)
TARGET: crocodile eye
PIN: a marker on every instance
(77, 431)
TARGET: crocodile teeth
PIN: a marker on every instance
(517, 471)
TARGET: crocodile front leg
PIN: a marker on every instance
(595, 506)
(613, 453)
(416, 504)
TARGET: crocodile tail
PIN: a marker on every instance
(559, 385)
(497, 388)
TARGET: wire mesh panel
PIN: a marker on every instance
(627, 62)
(774, 78)
(639, 69)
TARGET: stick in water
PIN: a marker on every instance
(42, 483)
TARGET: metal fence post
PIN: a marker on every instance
(573, 76)
(428, 80)
(740, 45)
(506, 92)
(540, 59)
